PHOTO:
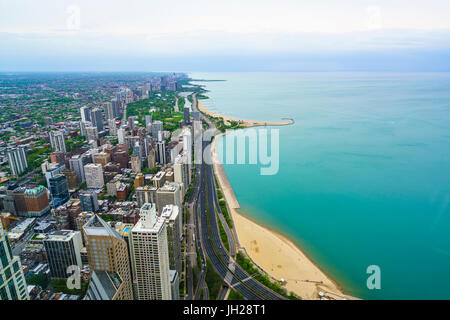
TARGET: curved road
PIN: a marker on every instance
(208, 235)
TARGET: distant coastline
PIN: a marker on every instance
(205, 80)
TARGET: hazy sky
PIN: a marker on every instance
(200, 35)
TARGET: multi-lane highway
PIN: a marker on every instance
(206, 210)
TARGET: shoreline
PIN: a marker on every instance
(242, 122)
(265, 245)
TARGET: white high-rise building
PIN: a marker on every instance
(151, 256)
(91, 133)
(17, 160)
(77, 163)
(172, 218)
(94, 175)
(121, 135)
(112, 127)
(12, 280)
(187, 144)
(181, 172)
(57, 140)
(63, 248)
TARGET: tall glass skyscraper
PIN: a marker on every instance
(12, 280)
(59, 189)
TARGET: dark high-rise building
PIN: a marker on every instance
(157, 126)
(89, 201)
(161, 152)
(187, 119)
(116, 107)
(85, 114)
(97, 119)
(59, 189)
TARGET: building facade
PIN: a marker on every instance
(57, 141)
(107, 252)
(94, 175)
(12, 280)
(17, 160)
(63, 250)
(151, 256)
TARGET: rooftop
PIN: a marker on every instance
(96, 226)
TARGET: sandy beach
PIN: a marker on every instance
(273, 252)
(244, 123)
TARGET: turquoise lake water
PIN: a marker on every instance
(364, 175)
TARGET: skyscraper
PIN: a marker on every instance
(83, 126)
(109, 112)
(136, 164)
(94, 175)
(169, 193)
(59, 189)
(85, 113)
(151, 158)
(145, 194)
(63, 249)
(151, 256)
(54, 170)
(121, 135)
(97, 119)
(72, 178)
(77, 163)
(91, 133)
(89, 201)
(148, 121)
(108, 252)
(187, 119)
(161, 152)
(131, 121)
(181, 171)
(157, 126)
(57, 140)
(116, 107)
(12, 280)
(172, 218)
(17, 160)
(112, 127)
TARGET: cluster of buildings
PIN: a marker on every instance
(116, 207)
